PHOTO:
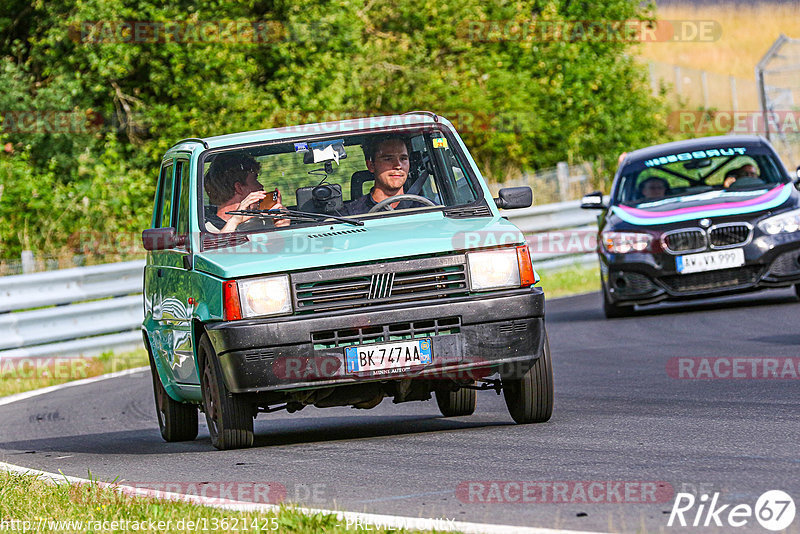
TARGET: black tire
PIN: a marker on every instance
(176, 420)
(797, 290)
(530, 399)
(614, 311)
(457, 403)
(229, 417)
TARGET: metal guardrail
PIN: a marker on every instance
(67, 325)
(89, 310)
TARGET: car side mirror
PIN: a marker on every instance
(797, 174)
(510, 198)
(593, 201)
(162, 239)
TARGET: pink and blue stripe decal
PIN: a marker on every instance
(771, 199)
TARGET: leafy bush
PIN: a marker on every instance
(518, 103)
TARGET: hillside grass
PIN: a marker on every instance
(747, 34)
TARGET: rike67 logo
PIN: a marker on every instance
(774, 510)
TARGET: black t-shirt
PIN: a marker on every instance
(365, 203)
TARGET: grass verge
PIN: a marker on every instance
(572, 280)
(25, 374)
(28, 501)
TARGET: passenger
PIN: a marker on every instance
(388, 160)
(745, 171)
(232, 184)
(653, 188)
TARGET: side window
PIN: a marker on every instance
(164, 209)
(182, 183)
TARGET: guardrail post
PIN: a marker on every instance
(28, 262)
(562, 173)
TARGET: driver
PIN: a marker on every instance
(653, 188)
(388, 161)
(745, 171)
(232, 184)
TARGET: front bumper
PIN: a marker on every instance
(642, 278)
(498, 332)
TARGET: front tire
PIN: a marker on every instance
(177, 421)
(797, 290)
(530, 399)
(228, 415)
(457, 403)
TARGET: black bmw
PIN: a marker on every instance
(697, 218)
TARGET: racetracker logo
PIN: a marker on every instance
(781, 122)
(564, 492)
(591, 31)
(774, 510)
(217, 492)
(727, 368)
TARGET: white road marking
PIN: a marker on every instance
(385, 521)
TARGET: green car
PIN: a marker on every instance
(337, 264)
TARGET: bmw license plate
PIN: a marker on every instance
(388, 358)
(710, 261)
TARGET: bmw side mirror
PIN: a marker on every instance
(162, 239)
(593, 201)
(510, 198)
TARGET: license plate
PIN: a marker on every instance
(710, 261)
(388, 358)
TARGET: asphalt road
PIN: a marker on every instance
(619, 416)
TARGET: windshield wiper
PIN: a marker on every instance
(295, 215)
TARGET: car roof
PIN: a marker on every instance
(688, 145)
(349, 126)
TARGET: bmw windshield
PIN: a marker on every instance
(717, 172)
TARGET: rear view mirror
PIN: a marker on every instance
(511, 198)
(593, 201)
(325, 151)
(162, 239)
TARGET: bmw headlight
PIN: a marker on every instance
(260, 297)
(493, 269)
(783, 223)
(625, 242)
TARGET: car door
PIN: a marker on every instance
(175, 285)
(153, 268)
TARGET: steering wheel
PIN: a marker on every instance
(391, 200)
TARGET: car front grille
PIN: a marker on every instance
(685, 283)
(384, 333)
(368, 285)
(729, 235)
(693, 239)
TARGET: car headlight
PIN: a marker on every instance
(783, 223)
(499, 269)
(257, 297)
(625, 242)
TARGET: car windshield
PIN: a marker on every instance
(722, 170)
(346, 176)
